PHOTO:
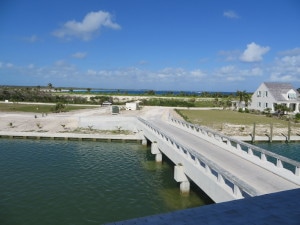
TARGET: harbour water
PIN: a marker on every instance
(290, 150)
(72, 182)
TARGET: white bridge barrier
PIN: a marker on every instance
(217, 183)
(285, 167)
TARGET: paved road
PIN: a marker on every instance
(261, 179)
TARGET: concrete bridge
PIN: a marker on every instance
(224, 168)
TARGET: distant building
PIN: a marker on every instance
(270, 94)
(106, 103)
(132, 106)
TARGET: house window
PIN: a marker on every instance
(292, 96)
(266, 93)
(266, 105)
(259, 104)
(259, 94)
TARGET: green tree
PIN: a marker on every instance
(59, 107)
(244, 96)
(50, 86)
(150, 92)
(281, 108)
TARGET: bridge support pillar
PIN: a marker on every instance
(144, 141)
(180, 176)
(158, 157)
(156, 152)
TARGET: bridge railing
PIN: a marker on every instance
(237, 145)
(234, 185)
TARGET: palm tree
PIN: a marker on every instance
(247, 98)
(244, 97)
(50, 86)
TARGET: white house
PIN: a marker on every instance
(270, 94)
(132, 106)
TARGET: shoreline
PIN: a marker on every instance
(102, 124)
(118, 137)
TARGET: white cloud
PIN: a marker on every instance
(229, 56)
(230, 14)
(30, 66)
(234, 73)
(254, 53)
(32, 38)
(79, 55)
(256, 71)
(291, 52)
(92, 72)
(143, 62)
(60, 63)
(286, 69)
(88, 27)
(197, 73)
(135, 75)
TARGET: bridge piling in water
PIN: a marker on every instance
(180, 177)
(155, 151)
(193, 164)
(144, 141)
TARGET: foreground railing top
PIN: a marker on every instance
(225, 174)
(262, 151)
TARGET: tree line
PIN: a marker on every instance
(37, 95)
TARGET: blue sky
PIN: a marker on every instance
(199, 45)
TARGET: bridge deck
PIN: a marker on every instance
(264, 181)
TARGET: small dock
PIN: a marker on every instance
(72, 137)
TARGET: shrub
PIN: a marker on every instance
(59, 107)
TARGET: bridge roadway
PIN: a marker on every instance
(262, 180)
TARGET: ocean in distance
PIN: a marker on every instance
(144, 91)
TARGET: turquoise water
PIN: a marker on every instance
(290, 150)
(69, 182)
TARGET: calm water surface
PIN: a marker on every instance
(66, 182)
(290, 150)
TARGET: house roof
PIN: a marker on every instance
(278, 89)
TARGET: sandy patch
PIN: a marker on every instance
(69, 121)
